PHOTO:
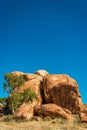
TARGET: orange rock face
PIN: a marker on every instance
(34, 85)
(17, 73)
(1, 107)
(32, 81)
(63, 91)
(53, 110)
(28, 77)
(41, 72)
(83, 113)
(26, 110)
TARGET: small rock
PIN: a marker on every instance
(41, 72)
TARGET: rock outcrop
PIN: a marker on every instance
(63, 91)
(58, 95)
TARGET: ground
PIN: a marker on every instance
(45, 124)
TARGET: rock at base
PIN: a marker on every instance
(26, 110)
(83, 113)
(53, 110)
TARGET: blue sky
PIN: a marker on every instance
(44, 34)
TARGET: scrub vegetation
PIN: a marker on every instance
(9, 122)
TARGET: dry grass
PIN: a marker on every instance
(46, 124)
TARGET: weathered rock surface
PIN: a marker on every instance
(63, 91)
(54, 110)
(26, 110)
(1, 106)
(34, 85)
(41, 72)
(17, 73)
(83, 113)
(28, 77)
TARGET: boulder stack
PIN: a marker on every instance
(58, 95)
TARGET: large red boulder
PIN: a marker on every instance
(63, 91)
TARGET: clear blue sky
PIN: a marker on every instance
(44, 34)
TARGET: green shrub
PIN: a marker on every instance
(11, 82)
(16, 99)
(3, 101)
(28, 95)
(9, 118)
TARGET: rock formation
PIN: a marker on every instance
(58, 95)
